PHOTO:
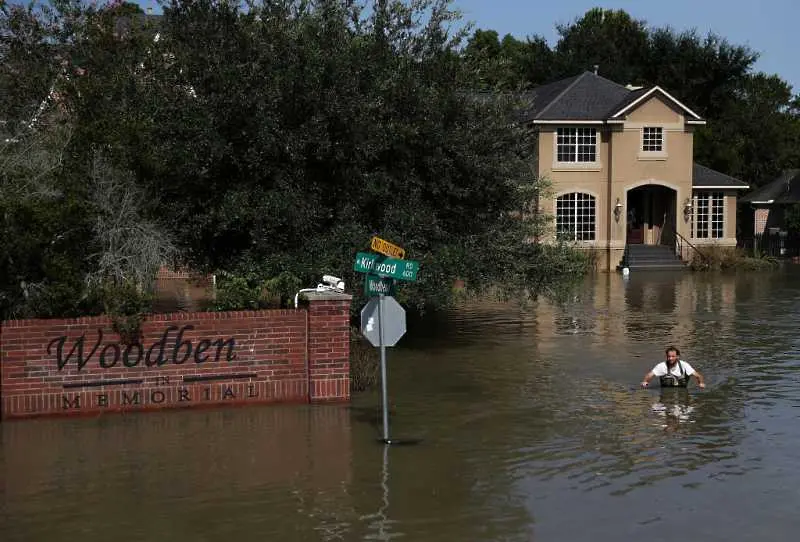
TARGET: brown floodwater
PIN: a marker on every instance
(531, 427)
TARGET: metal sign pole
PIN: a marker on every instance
(383, 371)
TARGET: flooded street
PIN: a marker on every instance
(532, 427)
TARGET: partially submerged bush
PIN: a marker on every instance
(717, 258)
(364, 363)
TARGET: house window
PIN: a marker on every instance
(652, 139)
(575, 217)
(576, 145)
(709, 215)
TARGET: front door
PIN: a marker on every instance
(651, 215)
(636, 217)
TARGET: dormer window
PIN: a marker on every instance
(576, 145)
(653, 139)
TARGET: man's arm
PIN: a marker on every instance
(701, 382)
(647, 378)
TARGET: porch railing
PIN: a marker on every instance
(681, 242)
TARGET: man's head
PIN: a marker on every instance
(672, 355)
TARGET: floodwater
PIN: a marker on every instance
(531, 422)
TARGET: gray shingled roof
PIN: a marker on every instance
(784, 189)
(704, 177)
(587, 96)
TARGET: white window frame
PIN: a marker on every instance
(708, 215)
(579, 226)
(653, 136)
(645, 134)
(575, 144)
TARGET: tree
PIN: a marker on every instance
(311, 126)
(609, 39)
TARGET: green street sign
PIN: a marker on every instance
(386, 267)
(374, 285)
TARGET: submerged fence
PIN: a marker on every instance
(780, 244)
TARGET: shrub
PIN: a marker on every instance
(717, 258)
(364, 363)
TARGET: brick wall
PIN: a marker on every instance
(191, 359)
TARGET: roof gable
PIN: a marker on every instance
(784, 189)
(590, 98)
(635, 101)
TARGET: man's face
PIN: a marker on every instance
(672, 357)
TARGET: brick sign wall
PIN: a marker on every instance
(80, 366)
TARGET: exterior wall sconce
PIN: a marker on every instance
(617, 210)
(687, 210)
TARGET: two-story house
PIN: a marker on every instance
(620, 163)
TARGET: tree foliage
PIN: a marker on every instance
(270, 140)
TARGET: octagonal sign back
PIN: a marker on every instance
(393, 324)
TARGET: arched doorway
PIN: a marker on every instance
(651, 216)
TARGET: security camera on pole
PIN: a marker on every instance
(383, 319)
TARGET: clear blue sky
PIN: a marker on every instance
(766, 26)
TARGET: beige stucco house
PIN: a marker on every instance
(620, 163)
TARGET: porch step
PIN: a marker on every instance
(651, 258)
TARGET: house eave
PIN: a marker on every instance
(588, 122)
(695, 187)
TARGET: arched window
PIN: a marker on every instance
(575, 217)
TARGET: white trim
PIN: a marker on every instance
(663, 142)
(697, 122)
(768, 202)
(656, 182)
(725, 218)
(576, 190)
(631, 126)
(567, 122)
(644, 155)
(724, 188)
(595, 165)
(647, 94)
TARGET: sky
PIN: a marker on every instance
(766, 26)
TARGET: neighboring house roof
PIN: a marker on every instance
(784, 189)
(705, 177)
(590, 98)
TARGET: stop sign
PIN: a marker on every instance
(392, 321)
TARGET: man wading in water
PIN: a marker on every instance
(674, 372)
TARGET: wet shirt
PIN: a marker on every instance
(661, 369)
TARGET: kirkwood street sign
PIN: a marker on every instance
(378, 264)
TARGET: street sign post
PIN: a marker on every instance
(383, 320)
(383, 323)
(387, 249)
(386, 267)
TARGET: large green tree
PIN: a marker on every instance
(291, 132)
(271, 140)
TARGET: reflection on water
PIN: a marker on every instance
(532, 425)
